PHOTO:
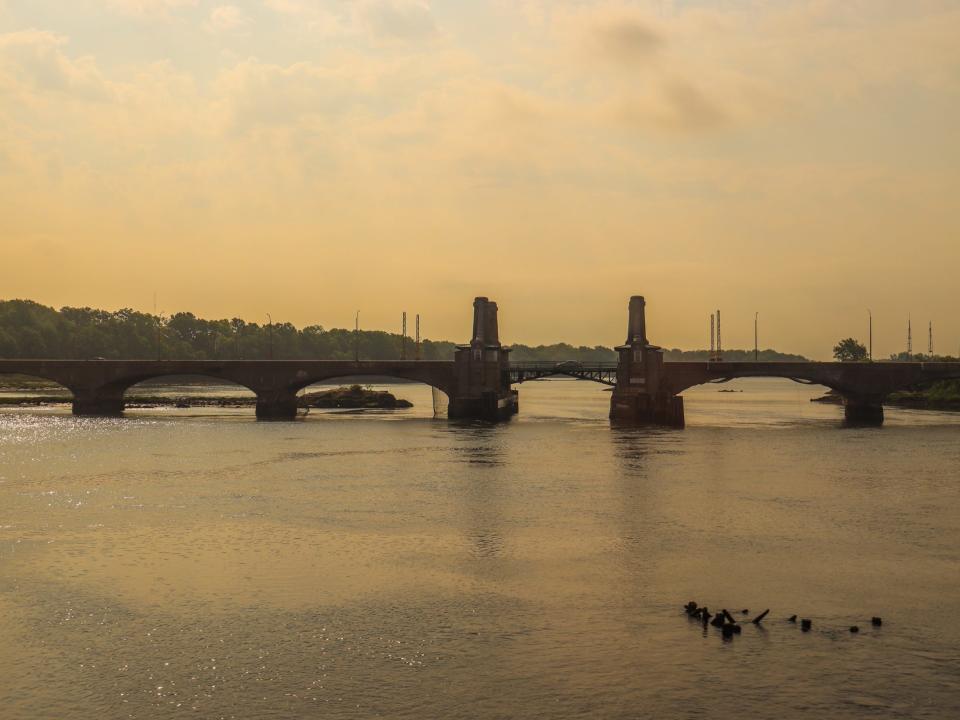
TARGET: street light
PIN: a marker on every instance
(159, 319)
(756, 350)
(270, 326)
(356, 338)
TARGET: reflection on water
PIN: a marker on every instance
(378, 564)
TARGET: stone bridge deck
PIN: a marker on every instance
(99, 386)
(862, 378)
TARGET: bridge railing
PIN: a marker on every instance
(572, 364)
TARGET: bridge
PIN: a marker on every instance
(479, 379)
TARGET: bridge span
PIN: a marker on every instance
(478, 381)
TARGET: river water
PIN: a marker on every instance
(356, 565)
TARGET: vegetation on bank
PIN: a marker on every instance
(31, 330)
(849, 350)
(943, 395)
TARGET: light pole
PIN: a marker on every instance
(159, 331)
(270, 331)
(870, 336)
(756, 349)
(356, 338)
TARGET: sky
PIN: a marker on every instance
(312, 158)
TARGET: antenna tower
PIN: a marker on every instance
(719, 343)
(713, 349)
(403, 340)
(909, 339)
(418, 336)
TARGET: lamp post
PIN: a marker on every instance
(356, 338)
(870, 336)
(159, 332)
(270, 332)
(756, 349)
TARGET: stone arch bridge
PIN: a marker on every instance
(478, 380)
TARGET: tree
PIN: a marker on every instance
(849, 350)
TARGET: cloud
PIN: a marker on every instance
(625, 39)
(228, 19)
(35, 59)
(150, 8)
(408, 20)
(377, 20)
(676, 106)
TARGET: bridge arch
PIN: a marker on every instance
(46, 384)
(417, 375)
(141, 385)
(371, 379)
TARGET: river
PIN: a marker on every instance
(194, 562)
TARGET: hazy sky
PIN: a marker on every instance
(309, 158)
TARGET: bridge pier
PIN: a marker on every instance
(640, 396)
(482, 371)
(276, 405)
(97, 402)
(865, 411)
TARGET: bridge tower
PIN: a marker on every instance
(482, 370)
(640, 395)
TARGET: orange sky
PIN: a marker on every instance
(309, 159)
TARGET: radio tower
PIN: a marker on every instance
(719, 343)
(909, 339)
(713, 351)
(418, 336)
(403, 341)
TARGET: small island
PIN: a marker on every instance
(355, 397)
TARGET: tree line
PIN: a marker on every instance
(31, 330)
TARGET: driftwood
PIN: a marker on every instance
(761, 616)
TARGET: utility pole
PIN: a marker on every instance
(403, 338)
(418, 336)
(870, 340)
(756, 351)
(356, 338)
(270, 332)
(930, 340)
